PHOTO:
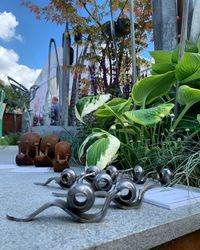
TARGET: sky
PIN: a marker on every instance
(24, 41)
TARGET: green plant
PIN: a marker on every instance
(149, 131)
(10, 139)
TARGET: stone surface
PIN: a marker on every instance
(58, 130)
(53, 229)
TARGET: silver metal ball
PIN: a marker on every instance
(90, 170)
(126, 192)
(68, 177)
(165, 176)
(80, 197)
(139, 174)
(102, 182)
(112, 171)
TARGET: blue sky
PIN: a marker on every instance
(24, 41)
(29, 42)
(35, 34)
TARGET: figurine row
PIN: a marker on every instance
(47, 151)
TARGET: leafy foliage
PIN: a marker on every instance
(89, 23)
(150, 134)
(12, 100)
(10, 139)
(151, 116)
(148, 89)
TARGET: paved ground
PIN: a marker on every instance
(7, 154)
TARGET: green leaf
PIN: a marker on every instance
(162, 68)
(96, 133)
(188, 68)
(151, 116)
(88, 104)
(189, 47)
(162, 56)
(148, 89)
(198, 44)
(118, 105)
(198, 118)
(102, 151)
(188, 96)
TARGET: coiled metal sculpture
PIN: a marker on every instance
(116, 188)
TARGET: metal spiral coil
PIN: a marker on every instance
(67, 178)
(81, 191)
(102, 182)
(121, 199)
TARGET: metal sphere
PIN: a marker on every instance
(112, 171)
(139, 174)
(165, 176)
(68, 177)
(102, 182)
(78, 192)
(90, 170)
(123, 197)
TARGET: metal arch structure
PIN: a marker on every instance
(58, 77)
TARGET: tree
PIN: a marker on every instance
(95, 26)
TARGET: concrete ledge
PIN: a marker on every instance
(69, 132)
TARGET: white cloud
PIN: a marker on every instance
(9, 66)
(8, 25)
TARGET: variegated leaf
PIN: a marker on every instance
(88, 104)
(103, 151)
(151, 116)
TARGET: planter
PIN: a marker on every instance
(9, 123)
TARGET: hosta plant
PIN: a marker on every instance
(142, 128)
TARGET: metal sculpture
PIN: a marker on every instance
(25, 95)
(2, 108)
(68, 177)
(77, 209)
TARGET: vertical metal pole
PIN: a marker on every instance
(15, 120)
(65, 78)
(164, 24)
(195, 27)
(184, 27)
(133, 55)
